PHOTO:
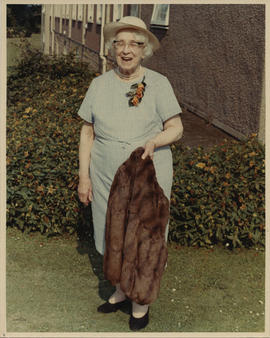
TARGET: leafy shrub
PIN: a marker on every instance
(32, 62)
(42, 143)
(17, 32)
(218, 195)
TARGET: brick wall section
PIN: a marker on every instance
(92, 38)
(76, 31)
(214, 57)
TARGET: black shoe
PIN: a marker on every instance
(108, 307)
(136, 324)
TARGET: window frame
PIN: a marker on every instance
(156, 20)
(67, 11)
(64, 12)
(135, 10)
(90, 13)
(57, 11)
(118, 10)
(74, 12)
(98, 14)
(80, 12)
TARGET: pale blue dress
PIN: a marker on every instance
(120, 129)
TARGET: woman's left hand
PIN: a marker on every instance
(149, 149)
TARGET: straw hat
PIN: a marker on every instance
(111, 29)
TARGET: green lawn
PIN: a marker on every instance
(56, 284)
(13, 51)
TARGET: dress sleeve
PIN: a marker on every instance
(86, 108)
(167, 104)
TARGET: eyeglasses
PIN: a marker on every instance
(133, 45)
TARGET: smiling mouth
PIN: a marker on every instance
(126, 59)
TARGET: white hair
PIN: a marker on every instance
(139, 36)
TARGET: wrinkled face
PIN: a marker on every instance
(128, 51)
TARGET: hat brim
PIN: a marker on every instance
(111, 29)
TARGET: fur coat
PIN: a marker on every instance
(137, 215)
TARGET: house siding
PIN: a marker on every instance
(92, 38)
(214, 58)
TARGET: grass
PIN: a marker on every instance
(55, 285)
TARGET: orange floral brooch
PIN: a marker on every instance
(136, 93)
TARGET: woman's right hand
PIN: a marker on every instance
(85, 190)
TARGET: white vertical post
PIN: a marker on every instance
(61, 12)
(107, 20)
(46, 29)
(52, 26)
(69, 20)
(101, 48)
(84, 24)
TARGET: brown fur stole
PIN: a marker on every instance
(136, 219)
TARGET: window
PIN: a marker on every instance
(57, 10)
(90, 14)
(67, 11)
(64, 11)
(98, 14)
(74, 12)
(134, 10)
(117, 12)
(80, 12)
(160, 16)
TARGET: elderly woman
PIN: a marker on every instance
(117, 120)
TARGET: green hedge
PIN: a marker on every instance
(42, 142)
(218, 195)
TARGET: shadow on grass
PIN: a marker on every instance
(86, 246)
